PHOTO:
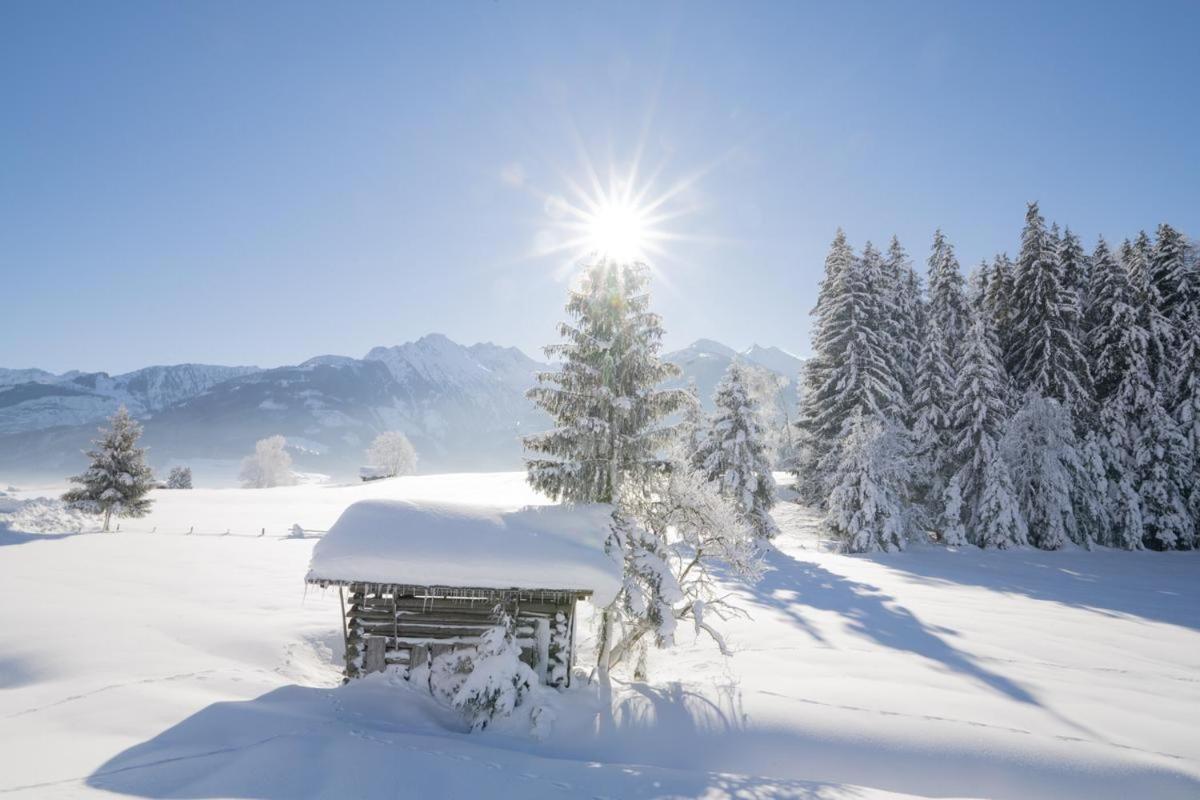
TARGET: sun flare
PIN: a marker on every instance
(619, 231)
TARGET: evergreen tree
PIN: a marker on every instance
(734, 455)
(118, 480)
(1162, 476)
(1075, 268)
(604, 399)
(906, 316)
(1117, 348)
(868, 506)
(1042, 454)
(998, 521)
(977, 422)
(1185, 389)
(947, 299)
(998, 301)
(849, 372)
(1047, 358)
(1168, 273)
(931, 427)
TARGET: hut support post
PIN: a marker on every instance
(345, 633)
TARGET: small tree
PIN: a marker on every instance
(868, 507)
(498, 681)
(734, 454)
(269, 466)
(392, 452)
(180, 478)
(1042, 453)
(117, 481)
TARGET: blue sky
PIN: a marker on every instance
(260, 183)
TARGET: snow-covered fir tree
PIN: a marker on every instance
(117, 480)
(1162, 476)
(931, 421)
(978, 418)
(850, 371)
(1049, 475)
(1075, 268)
(947, 297)
(998, 521)
(1117, 353)
(498, 681)
(734, 455)
(998, 302)
(605, 398)
(1185, 388)
(869, 506)
(905, 318)
(1047, 357)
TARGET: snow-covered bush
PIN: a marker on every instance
(118, 479)
(869, 505)
(1040, 448)
(734, 453)
(393, 453)
(498, 680)
(269, 466)
(180, 478)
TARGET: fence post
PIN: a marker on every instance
(262, 533)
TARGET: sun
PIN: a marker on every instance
(617, 230)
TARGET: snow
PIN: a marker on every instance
(146, 665)
(450, 544)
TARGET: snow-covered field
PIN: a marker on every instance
(162, 664)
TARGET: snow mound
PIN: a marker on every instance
(443, 544)
(42, 515)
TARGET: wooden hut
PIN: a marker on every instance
(419, 579)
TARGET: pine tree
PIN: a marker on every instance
(1076, 268)
(1185, 388)
(998, 521)
(849, 372)
(1167, 272)
(998, 301)
(604, 399)
(977, 419)
(931, 427)
(1162, 475)
(868, 506)
(118, 480)
(906, 316)
(1047, 358)
(947, 299)
(734, 455)
(1117, 350)
(1042, 454)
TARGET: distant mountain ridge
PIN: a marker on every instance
(463, 406)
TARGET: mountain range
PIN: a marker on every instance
(463, 407)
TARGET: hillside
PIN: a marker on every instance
(200, 666)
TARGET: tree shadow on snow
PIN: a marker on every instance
(794, 587)
(366, 742)
(1162, 587)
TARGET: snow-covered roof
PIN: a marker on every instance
(436, 544)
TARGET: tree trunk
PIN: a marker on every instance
(107, 518)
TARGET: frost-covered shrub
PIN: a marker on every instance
(269, 466)
(393, 453)
(498, 681)
(180, 478)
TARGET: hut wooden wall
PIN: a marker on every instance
(411, 624)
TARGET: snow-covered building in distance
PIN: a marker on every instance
(421, 579)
